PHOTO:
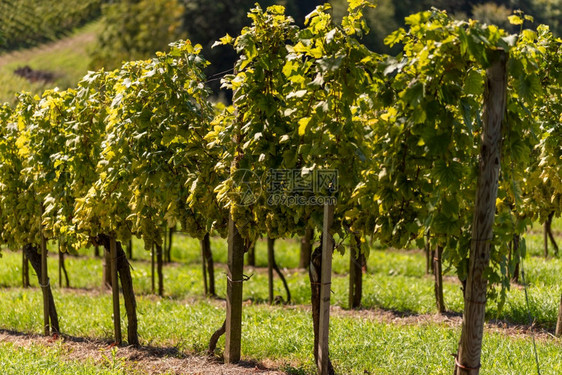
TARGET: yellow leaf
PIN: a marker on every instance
(389, 114)
(515, 20)
(227, 39)
(21, 124)
(303, 123)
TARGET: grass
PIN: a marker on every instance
(42, 359)
(67, 59)
(395, 282)
(283, 335)
(535, 244)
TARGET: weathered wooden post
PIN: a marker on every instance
(24, 269)
(152, 272)
(235, 280)
(115, 290)
(326, 281)
(467, 361)
(438, 278)
(204, 266)
(270, 260)
(45, 286)
(559, 323)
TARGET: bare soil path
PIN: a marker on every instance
(145, 359)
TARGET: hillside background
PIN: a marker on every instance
(60, 41)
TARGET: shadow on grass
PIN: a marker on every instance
(142, 352)
(397, 313)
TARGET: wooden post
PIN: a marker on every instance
(438, 278)
(170, 241)
(34, 256)
(326, 281)
(126, 280)
(210, 264)
(159, 265)
(45, 285)
(152, 269)
(106, 270)
(467, 361)
(235, 279)
(204, 265)
(25, 269)
(558, 331)
(165, 242)
(270, 260)
(115, 290)
(545, 238)
(550, 235)
(64, 271)
(427, 250)
(60, 266)
(352, 276)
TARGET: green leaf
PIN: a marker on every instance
(467, 114)
(473, 83)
